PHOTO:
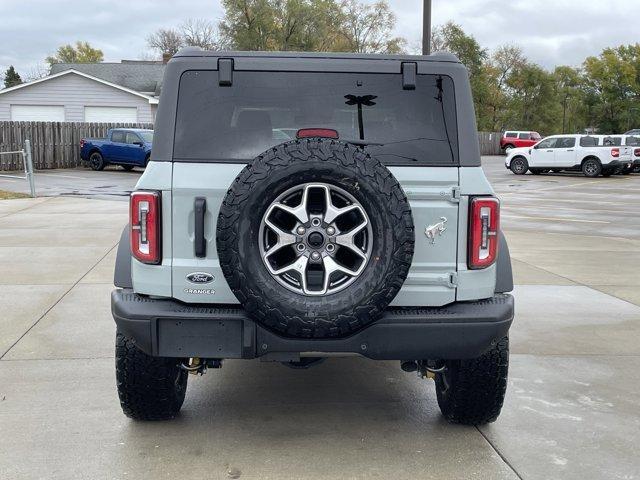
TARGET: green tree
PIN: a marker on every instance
(452, 38)
(570, 94)
(533, 103)
(309, 25)
(82, 52)
(11, 77)
(614, 78)
(367, 28)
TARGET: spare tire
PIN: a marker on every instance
(315, 238)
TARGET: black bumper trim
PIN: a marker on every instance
(170, 328)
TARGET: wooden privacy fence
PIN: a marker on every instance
(53, 144)
(490, 143)
(57, 145)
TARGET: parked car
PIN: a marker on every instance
(586, 153)
(517, 139)
(632, 141)
(127, 147)
(343, 241)
(635, 131)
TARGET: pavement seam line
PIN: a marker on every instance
(26, 208)
(58, 301)
(504, 459)
(579, 283)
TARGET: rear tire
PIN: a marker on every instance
(471, 392)
(519, 165)
(127, 168)
(508, 147)
(150, 388)
(96, 161)
(591, 168)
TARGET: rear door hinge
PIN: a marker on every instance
(455, 194)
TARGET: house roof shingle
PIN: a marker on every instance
(141, 76)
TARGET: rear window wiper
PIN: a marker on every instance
(362, 143)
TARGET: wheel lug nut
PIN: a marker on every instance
(330, 247)
(315, 255)
(300, 247)
(301, 230)
(331, 231)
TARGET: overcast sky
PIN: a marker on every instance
(550, 32)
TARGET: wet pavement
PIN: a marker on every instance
(572, 409)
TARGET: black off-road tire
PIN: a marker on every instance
(128, 168)
(96, 161)
(519, 165)
(591, 168)
(471, 392)
(292, 164)
(150, 388)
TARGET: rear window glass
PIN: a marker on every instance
(511, 135)
(633, 141)
(263, 109)
(588, 141)
(118, 137)
(612, 141)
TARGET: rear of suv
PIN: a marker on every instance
(517, 139)
(304, 206)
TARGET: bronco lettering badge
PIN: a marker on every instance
(200, 277)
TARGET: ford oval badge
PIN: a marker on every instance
(200, 277)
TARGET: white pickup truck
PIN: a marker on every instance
(586, 153)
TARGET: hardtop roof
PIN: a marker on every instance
(434, 57)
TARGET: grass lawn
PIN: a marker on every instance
(4, 195)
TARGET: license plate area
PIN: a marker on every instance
(204, 338)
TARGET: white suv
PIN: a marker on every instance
(589, 154)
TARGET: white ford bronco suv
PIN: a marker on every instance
(299, 206)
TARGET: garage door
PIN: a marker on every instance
(37, 113)
(111, 114)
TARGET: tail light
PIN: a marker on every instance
(636, 152)
(317, 132)
(144, 216)
(82, 143)
(484, 223)
(615, 152)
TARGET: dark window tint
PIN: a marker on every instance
(588, 141)
(547, 143)
(632, 141)
(612, 141)
(511, 135)
(524, 136)
(565, 142)
(118, 137)
(264, 109)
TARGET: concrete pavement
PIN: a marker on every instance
(572, 408)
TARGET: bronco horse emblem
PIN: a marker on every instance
(437, 228)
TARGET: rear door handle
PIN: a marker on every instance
(199, 244)
(549, 150)
(570, 150)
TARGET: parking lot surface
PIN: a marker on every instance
(572, 409)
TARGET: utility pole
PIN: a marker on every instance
(426, 27)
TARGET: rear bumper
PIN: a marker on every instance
(169, 328)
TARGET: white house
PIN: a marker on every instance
(125, 92)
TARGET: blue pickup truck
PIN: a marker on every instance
(127, 147)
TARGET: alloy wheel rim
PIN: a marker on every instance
(315, 239)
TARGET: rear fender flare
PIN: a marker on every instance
(122, 272)
(504, 273)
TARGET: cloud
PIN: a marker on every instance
(551, 32)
